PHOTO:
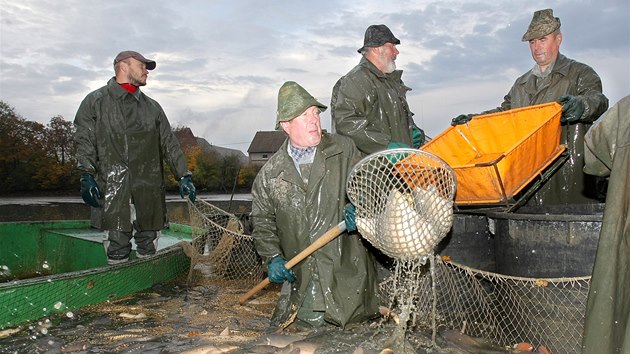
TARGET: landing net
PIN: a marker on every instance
(221, 247)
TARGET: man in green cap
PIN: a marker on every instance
(369, 103)
(298, 195)
(577, 87)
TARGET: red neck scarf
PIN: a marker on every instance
(129, 87)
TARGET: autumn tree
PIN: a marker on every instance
(22, 149)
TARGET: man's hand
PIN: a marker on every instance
(349, 216)
(395, 157)
(572, 109)
(186, 186)
(89, 190)
(461, 119)
(277, 272)
(418, 137)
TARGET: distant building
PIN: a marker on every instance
(264, 145)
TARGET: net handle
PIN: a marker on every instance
(328, 236)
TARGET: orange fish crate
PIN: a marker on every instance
(496, 155)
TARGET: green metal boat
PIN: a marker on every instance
(53, 267)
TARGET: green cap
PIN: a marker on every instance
(542, 24)
(293, 100)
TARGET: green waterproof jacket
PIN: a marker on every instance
(289, 215)
(568, 185)
(371, 108)
(607, 324)
(122, 139)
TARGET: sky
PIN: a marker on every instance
(220, 63)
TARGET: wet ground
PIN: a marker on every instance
(205, 317)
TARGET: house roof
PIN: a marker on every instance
(267, 141)
(222, 151)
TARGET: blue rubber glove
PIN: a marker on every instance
(277, 272)
(461, 119)
(572, 109)
(418, 137)
(90, 193)
(349, 216)
(186, 186)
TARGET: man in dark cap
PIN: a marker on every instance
(122, 138)
(369, 103)
(577, 87)
(298, 195)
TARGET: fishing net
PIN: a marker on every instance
(221, 246)
(404, 207)
(504, 309)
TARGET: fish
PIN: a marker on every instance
(7, 332)
(399, 231)
(435, 208)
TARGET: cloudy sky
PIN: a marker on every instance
(220, 63)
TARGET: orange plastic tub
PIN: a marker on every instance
(495, 156)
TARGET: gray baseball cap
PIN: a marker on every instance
(377, 35)
(131, 54)
(542, 24)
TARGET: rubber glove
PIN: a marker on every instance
(277, 272)
(394, 158)
(349, 216)
(186, 186)
(89, 190)
(418, 137)
(397, 145)
(572, 109)
(461, 119)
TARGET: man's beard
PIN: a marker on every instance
(136, 81)
(390, 67)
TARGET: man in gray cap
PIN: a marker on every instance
(577, 87)
(122, 138)
(369, 103)
(298, 195)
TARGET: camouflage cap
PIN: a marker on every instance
(376, 36)
(293, 100)
(542, 24)
(131, 54)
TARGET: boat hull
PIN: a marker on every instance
(70, 269)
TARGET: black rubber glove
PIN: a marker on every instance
(277, 272)
(461, 119)
(349, 216)
(572, 108)
(187, 187)
(89, 190)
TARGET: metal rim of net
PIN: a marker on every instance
(403, 200)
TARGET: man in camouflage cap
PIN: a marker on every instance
(577, 87)
(542, 24)
(369, 103)
(297, 196)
